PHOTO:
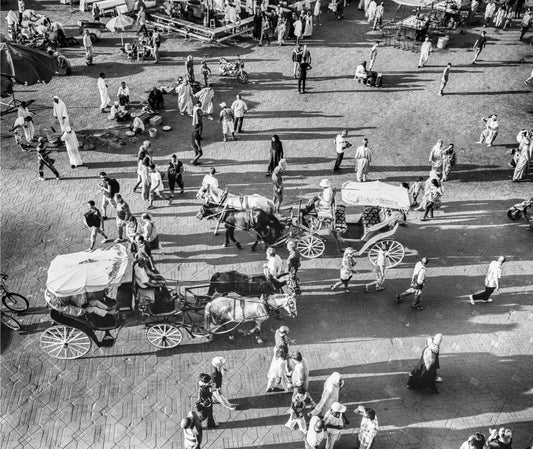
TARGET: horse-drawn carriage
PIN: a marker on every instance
(90, 304)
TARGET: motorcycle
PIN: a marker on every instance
(519, 210)
(235, 69)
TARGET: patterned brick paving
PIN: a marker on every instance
(131, 396)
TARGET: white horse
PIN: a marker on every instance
(233, 308)
(213, 195)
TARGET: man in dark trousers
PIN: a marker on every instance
(43, 156)
(204, 403)
(196, 146)
(444, 78)
(479, 45)
(304, 67)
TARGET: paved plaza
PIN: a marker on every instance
(133, 396)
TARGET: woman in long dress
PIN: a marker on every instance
(522, 163)
(308, 31)
(185, 95)
(370, 13)
(276, 154)
(206, 98)
(72, 144)
(435, 157)
(277, 374)
(330, 394)
(425, 373)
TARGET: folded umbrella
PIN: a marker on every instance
(26, 65)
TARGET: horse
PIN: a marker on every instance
(234, 308)
(266, 226)
(219, 197)
(242, 284)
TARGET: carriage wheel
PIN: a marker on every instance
(310, 246)
(65, 342)
(394, 252)
(164, 335)
(227, 327)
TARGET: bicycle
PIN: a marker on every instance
(13, 301)
(9, 321)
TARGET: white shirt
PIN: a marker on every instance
(340, 143)
(274, 265)
(209, 181)
(374, 51)
(313, 437)
(123, 91)
(87, 42)
(156, 180)
(494, 273)
(239, 108)
(102, 85)
(419, 273)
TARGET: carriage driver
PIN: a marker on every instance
(323, 201)
(272, 269)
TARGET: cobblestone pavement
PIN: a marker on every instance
(132, 396)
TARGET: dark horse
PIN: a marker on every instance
(244, 285)
(266, 226)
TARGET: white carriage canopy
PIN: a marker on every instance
(85, 272)
(375, 193)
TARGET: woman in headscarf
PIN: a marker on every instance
(72, 144)
(276, 154)
(425, 373)
(332, 388)
(219, 367)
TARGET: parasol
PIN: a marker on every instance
(375, 193)
(26, 65)
(119, 24)
(78, 273)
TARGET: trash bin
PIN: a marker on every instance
(443, 42)
(152, 132)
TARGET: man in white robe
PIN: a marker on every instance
(105, 101)
(206, 98)
(425, 51)
(185, 94)
(60, 111)
(72, 145)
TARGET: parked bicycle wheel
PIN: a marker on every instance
(15, 302)
(9, 321)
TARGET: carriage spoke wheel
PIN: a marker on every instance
(164, 335)
(65, 342)
(310, 246)
(394, 252)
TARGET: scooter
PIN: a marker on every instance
(520, 210)
(235, 69)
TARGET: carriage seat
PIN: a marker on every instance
(156, 300)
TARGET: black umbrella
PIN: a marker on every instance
(26, 65)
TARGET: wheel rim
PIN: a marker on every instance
(310, 246)
(394, 252)
(10, 322)
(164, 335)
(15, 302)
(64, 342)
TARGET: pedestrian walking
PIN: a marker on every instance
(123, 216)
(239, 108)
(197, 117)
(281, 29)
(298, 29)
(330, 394)
(93, 220)
(277, 184)
(479, 45)
(368, 428)
(43, 156)
(316, 433)
(475, 441)
(88, 45)
(363, 158)
(501, 438)
(226, 119)
(340, 145)
(204, 402)
(334, 421)
(109, 187)
(492, 127)
(156, 44)
(281, 337)
(185, 96)
(432, 199)
(378, 19)
(299, 376)
(444, 78)
(490, 9)
(425, 50)
(435, 157)
(296, 411)
(424, 375)
(417, 284)
(492, 282)
(379, 272)
(500, 16)
(293, 265)
(265, 29)
(449, 159)
(105, 101)
(191, 435)
(276, 154)
(205, 96)
(149, 232)
(219, 369)
(196, 146)
(61, 113)
(277, 375)
(525, 23)
(302, 76)
(349, 261)
(297, 54)
(156, 187)
(72, 146)
(141, 21)
(175, 174)
(23, 129)
(370, 12)
(523, 157)
(373, 55)
(317, 12)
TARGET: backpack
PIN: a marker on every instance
(92, 219)
(114, 186)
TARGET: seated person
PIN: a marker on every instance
(323, 202)
(155, 99)
(361, 73)
(137, 126)
(123, 94)
(118, 113)
(65, 67)
(81, 305)
(145, 278)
